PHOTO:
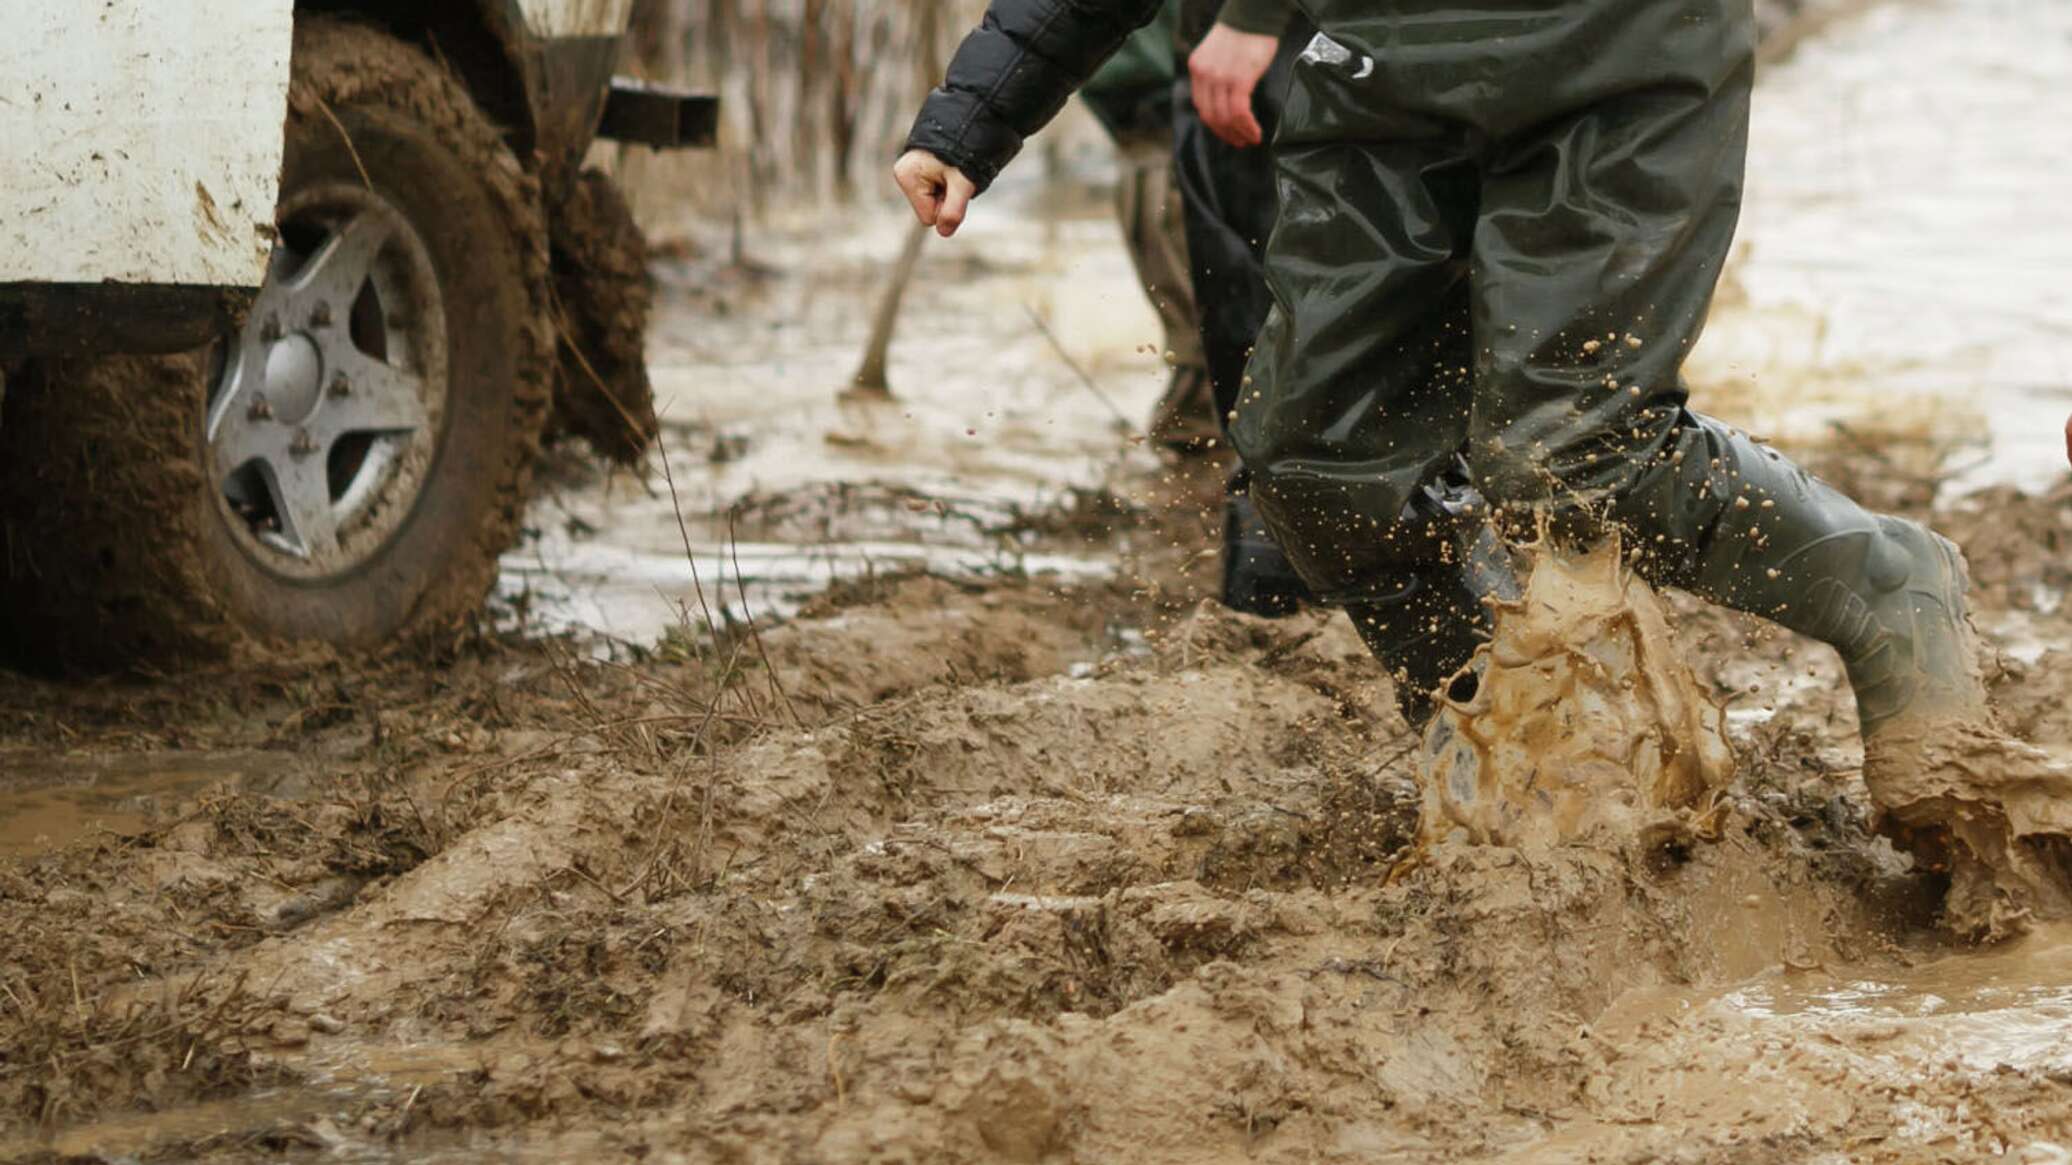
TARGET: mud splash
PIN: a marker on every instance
(1585, 722)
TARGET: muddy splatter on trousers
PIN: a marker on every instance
(1500, 229)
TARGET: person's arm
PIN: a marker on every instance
(1226, 67)
(1006, 81)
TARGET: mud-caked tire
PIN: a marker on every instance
(601, 301)
(117, 543)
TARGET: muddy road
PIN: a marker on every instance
(876, 784)
(981, 870)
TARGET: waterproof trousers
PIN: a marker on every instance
(1500, 226)
(1148, 208)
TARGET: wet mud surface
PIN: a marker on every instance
(1013, 870)
(936, 818)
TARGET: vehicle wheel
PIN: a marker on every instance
(346, 468)
(601, 299)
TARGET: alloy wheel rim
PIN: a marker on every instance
(325, 416)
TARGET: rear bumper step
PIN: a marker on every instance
(651, 115)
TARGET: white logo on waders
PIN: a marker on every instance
(1322, 50)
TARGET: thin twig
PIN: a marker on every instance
(1084, 379)
(684, 532)
(870, 377)
(324, 107)
(755, 632)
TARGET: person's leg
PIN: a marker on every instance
(1228, 196)
(1147, 205)
(1356, 404)
(1230, 205)
(1356, 395)
(1601, 236)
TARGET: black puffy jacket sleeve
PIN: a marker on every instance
(1013, 74)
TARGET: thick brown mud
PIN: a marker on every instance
(1013, 871)
(600, 306)
(1991, 810)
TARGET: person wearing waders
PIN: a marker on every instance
(1226, 103)
(1498, 233)
(1132, 97)
(1195, 207)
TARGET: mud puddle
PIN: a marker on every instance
(623, 596)
(989, 425)
(48, 800)
(1952, 1056)
(342, 1078)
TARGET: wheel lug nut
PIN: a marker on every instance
(271, 329)
(320, 316)
(303, 445)
(260, 409)
(340, 386)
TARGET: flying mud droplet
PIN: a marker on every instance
(1585, 722)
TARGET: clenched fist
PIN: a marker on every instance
(940, 193)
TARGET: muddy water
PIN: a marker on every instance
(47, 800)
(1903, 242)
(342, 1077)
(989, 421)
(1801, 1051)
(1586, 722)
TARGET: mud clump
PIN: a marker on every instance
(1991, 811)
(1585, 722)
(601, 300)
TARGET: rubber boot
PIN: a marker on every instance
(1952, 787)
(1424, 633)
(1424, 619)
(1885, 592)
(1257, 578)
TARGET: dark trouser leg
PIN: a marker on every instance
(1230, 205)
(1424, 617)
(1228, 194)
(1148, 207)
(1360, 394)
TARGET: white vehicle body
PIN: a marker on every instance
(140, 140)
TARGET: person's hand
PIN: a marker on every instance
(1225, 68)
(940, 193)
